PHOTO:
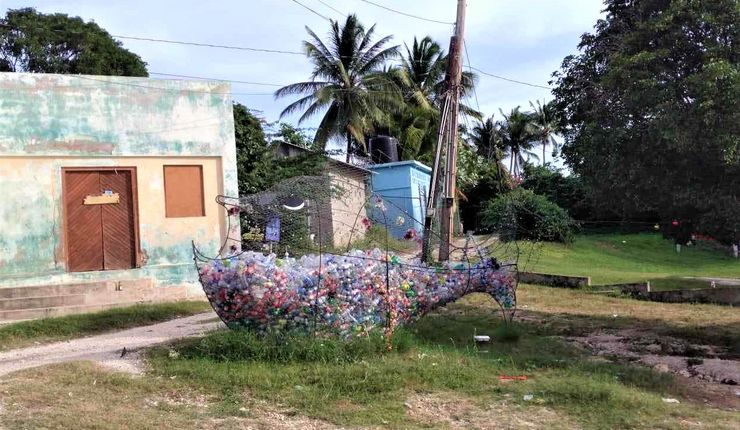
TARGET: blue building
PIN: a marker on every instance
(403, 187)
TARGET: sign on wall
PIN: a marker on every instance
(272, 230)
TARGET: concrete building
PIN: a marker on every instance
(105, 182)
(404, 187)
(341, 217)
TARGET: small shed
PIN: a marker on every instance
(341, 215)
(403, 187)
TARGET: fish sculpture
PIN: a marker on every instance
(344, 295)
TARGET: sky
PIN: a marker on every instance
(524, 40)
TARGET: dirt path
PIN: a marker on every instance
(107, 349)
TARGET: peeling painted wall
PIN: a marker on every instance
(52, 121)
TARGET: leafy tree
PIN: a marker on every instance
(252, 155)
(259, 168)
(568, 192)
(544, 124)
(516, 134)
(291, 134)
(346, 83)
(652, 108)
(56, 43)
(485, 174)
(486, 183)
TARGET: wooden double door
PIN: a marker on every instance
(101, 231)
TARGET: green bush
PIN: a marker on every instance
(522, 214)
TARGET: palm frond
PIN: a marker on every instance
(300, 88)
(297, 105)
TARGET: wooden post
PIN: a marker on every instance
(454, 79)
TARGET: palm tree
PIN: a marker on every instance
(486, 136)
(544, 125)
(421, 77)
(346, 83)
(517, 138)
(425, 67)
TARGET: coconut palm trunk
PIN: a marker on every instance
(544, 146)
(349, 145)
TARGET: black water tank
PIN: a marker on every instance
(383, 149)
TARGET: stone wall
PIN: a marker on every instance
(561, 281)
(721, 295)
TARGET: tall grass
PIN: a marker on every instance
(244, 345)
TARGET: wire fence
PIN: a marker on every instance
(327, 254)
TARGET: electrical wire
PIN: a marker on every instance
(312, 11)
(278, 51)
(150, 87)
(128, 84)
(510, 80)
(207, 45)
(172, 75)
(407, 14)
(475, 93)
(331, 7)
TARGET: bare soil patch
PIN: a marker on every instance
(707, 378)
(450, 410)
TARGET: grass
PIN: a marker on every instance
(613, 258)
(574, 313)
(357, 384)
(16, 335)
(435, 377)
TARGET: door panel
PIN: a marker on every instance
(84, 233)
(119, 242)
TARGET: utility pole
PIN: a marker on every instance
(448, 132)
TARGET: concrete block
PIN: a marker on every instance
(561, 281)
(723, 296)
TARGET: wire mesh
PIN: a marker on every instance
(324, 254)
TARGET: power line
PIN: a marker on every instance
(405, 14)
(128, 84)
(156, 88)
(278, 51)
(510, 80)
(331, 7)
(467, 56)
(215, 79)
(251, 83)
(208, 45)
(312, 11)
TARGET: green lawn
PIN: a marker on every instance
(359, 384)
(614, 258)
(434, 378)
(26, 333)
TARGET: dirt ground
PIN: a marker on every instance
(108, 349)
(707, 377)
